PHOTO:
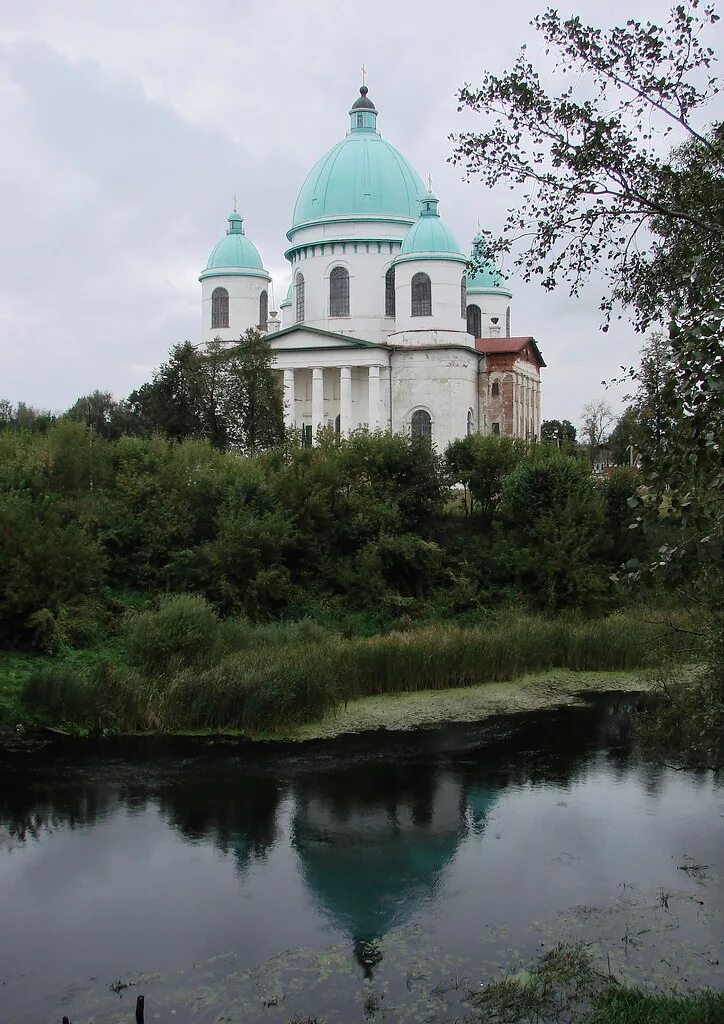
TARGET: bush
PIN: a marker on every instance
(183, 631)
(58, 695)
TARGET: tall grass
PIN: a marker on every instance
(232, 675)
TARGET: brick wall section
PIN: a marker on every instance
(509, 362)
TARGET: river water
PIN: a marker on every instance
(377, 878)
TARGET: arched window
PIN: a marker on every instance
(219, 308)
(475, 321)
(470, 422)
(421, 295)
(299, 292)
(339, 292)
(463, 295)
(507, 322)
(495, 389)
(338, 424)
(264, 309)
(390, 292)
(421, 425)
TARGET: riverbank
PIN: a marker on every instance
(402, 712)
(179, 669)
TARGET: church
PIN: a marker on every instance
(384, 325)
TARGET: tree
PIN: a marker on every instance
(596, 193)
(560, 431)
(599, 195)
(253, 401)
(554, 510)
(481, 464)
(625, 438)
(597, 418)
(105, 415)
(175, 402)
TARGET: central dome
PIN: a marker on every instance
(362, 176)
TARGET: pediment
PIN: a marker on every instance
(301, 337)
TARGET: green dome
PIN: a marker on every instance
(430, 237)
(288, 300)
(361, 177)
(486, 278)
(235, 253)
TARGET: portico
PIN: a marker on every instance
(342, 383)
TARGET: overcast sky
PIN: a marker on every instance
(127, 127)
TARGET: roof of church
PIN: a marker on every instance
(430, 236)
(500, 346)
(235, 253)
(360, 177)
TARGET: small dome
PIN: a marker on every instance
(288, 300)
(430, 236)
(485, 278)
(364, 102)
(234, 253)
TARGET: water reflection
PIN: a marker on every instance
(192, 853)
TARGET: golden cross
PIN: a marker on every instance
(364, 75)
(234, 198)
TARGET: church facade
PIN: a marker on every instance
(384, 325)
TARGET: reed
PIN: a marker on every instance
(258, 679)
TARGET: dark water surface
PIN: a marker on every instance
(380, 878)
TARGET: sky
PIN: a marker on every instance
(128, 126)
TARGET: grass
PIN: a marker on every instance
(179, 668)
(563, 987)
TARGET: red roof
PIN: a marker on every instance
(498, 346)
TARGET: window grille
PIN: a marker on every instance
(421, 295)
(390, 292)
(421, 425)
(475, 321)
(495, 389)
(219, 308)
(463, 296)
(470, 422)
(339, 292)
(299, 291)
(264, 309)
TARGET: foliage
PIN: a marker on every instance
(481, 463)
(564, 987)
(599, 196)
(105, 415)
(597, 418)
(225, 394)
(554, 510)
(560, 431)
(178, 667)
(49, 563)
(180, 632)
(626, 439)
(683, 724)
(589, 167)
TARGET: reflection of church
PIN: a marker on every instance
(373, 841)
(383, 325)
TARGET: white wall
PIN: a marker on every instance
(445, 277)
(338, 244)
(442, 381)
(244, 293)
(491, 305)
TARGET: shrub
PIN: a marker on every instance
(183, 631)
(57, 695)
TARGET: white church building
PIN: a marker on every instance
(383, 325)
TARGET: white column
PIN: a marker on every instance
(345, 400)
(374, 396)
(289, 400)
(317, 400)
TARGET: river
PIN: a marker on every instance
(381, 877)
